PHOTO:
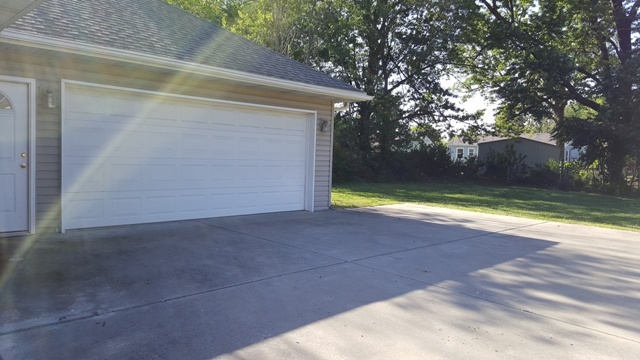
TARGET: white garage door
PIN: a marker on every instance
(132, 157)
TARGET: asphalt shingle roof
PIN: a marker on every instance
(545, 138)
(156, 28)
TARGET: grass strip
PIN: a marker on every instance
(569, 207)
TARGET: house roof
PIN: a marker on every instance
(13, 10)
(162, 31)
(456, 141)
(545, 138)
(538, 137)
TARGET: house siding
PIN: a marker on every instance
(453, 151)
(536, 152)
(48, 69)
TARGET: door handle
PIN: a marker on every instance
(23, 165)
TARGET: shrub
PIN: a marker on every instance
(433, 160)
(507, 165)
(544, 175)
(347, 166)
(466, 168)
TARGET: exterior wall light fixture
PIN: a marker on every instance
(323, 125)
(49, 99)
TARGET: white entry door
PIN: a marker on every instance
(14, 157)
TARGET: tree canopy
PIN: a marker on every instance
(569, 65)
(398, 51)
(535, 57)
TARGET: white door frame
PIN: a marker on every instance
(312, 127)
(31, 140)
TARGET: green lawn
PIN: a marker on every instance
(570, 207)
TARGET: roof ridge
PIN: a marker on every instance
(528, 136)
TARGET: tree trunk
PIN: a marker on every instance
(615, 164)
(364, 136)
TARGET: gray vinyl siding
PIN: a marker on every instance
(322, 195)
(48, 71)
(536, 152)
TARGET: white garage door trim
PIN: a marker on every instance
(311, 127)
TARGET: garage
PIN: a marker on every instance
(132, 156)
(157, 115)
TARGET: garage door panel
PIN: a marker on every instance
(127, 176)
(85, 208)
(81, 175)
(133, 158)
(197, 118)
(194, 204)
(126, 143)
(246, 120)
(85, 141)
(161, 176)
(160, 144)
(90, 103)
(128, 207)
(194, 175)
(82, 116)
(122, 210)
(274, 125)
(133, 174)
(126, 105)
(194, 145)
(224, 119)
(221, 175)
(158, 204)
(222, 146)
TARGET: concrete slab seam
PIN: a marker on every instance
(449, 241)
(162, 301)
(273, 241)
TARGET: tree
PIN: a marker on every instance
(290, 27)
(219, 12)
(397, 51)
(537, 56)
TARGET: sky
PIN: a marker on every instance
(472, 104)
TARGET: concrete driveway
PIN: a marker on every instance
(391, 282)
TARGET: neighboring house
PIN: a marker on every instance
(538, 148)
(571, 153)
(132, 111)
(418, 144)
(461, 150)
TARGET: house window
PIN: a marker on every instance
(472, 152)
(460, 153)
(5, 104)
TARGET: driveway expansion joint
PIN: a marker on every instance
(68, 319)
(449, 241)
(272, 241)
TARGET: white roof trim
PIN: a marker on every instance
(42, 42)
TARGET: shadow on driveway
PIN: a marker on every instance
(313, 285)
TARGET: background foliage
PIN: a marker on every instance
(571, 67)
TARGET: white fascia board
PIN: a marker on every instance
(18, 38)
